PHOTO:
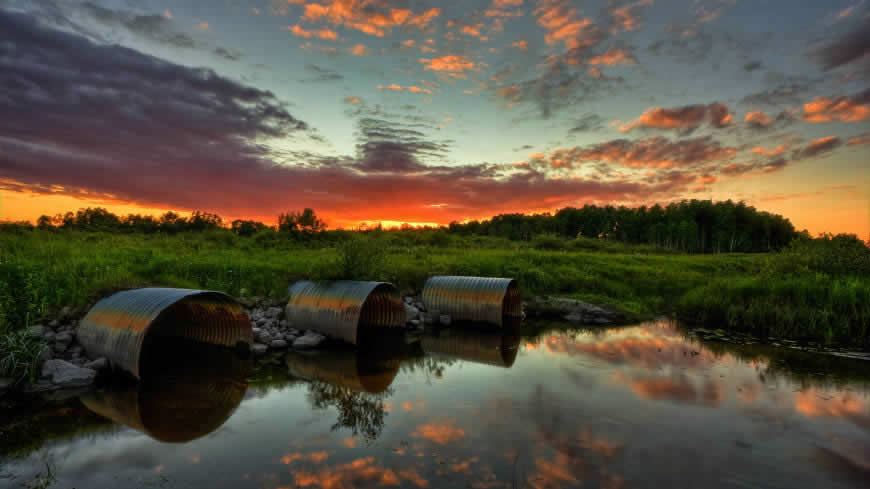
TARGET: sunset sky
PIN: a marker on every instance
(428, 112)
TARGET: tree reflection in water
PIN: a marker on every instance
(361, 412)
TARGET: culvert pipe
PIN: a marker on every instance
(121, 326)
(477, 299)
(343, 309)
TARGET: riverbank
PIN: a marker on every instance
(806, 295)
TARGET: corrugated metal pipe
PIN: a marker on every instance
(343, 309)
(479, 299)
(122, 326)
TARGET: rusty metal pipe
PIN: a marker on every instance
(342, 308)
(478, 299)
(120, 326)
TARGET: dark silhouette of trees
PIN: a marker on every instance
(305, 222)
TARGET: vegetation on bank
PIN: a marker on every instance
(814, 289)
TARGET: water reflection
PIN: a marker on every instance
(489, 346)
(185, 393)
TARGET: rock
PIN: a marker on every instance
(420, 306)
(65, 374)
(54, 323)
(278, 344)
(408, 299)
(38, 331)
(430, 318)
(6, 383)
(263, 336)
(289, 338)
(294, 332)
(65, 338)
(283, 324)
(60, 347)
(273, 312)
(573, 310)
(309, 340)
(256, 331)
(411, 312)
(65, 312)
(444, 319)
(262, 321)
(415, 322)
(49, 336)
(259, 348)
(98, 364)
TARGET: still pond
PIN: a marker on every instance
(646, 406)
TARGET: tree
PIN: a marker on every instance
(305, 222)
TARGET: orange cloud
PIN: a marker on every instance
(398, 88)
(203, 26)
(820, 146)
(441, 433)
(553, 475)
(359, 50)
(363, 16)
(521, 44)
(685, 118)
(325, 34)
(813, 403)
(839, 109)
(506, 3)
(316, 457)
(613, 56)
(563, 25)
(349, 443)
(472, 30)
(450, 63)
(625, 18)
(352, 100)
(860, 140)
(773, 152)
(758, 119)
(354, 474)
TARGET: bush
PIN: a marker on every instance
(548, 242)
(360, 258)
(19, 355)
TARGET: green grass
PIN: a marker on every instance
(783, 294)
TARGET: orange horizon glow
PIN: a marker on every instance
(812, 215)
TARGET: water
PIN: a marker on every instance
(633, 407)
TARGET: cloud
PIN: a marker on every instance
(358, 473)
(325, 34)
(819, 146)
(626, 18)
(352, 100)
(758, 119)
(368, 17)
(613, 56)
(860, 140)
(564, 25)
(398, 88)
(838, 109)
(752, 66)
(772, 152)
(684, 119)
(449, 63)
(854, 46)
(521, 44)
(157, 28)
(588, 122)
(131, 128)
(654, 152)
(322, 74)
(359, 50)
(442, 433)
(203, 26)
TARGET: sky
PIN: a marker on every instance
(430, 112)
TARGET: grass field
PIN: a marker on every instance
(813, 294)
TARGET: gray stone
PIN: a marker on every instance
(261, 321)
(66, 374)
(49, 336)
(573, 310)
(444, 319)
(98, 364)
(54, 323)
(6, 383)
(408, 299)
(290, 338)
(283, 324)
(65, 338)
(430, 318)
(420, 306)
(65, 312)
(60, 347)
(309, 340)
(256, 331)
(411, 312)
(415, 322)
(263, 337)
(273, 312)
(278, 344)
(294, 332)
(259, 348)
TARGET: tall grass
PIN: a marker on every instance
(793, 293)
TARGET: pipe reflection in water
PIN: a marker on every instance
(356, 382)
(496, 347)
(187, 390)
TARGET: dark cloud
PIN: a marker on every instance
(152, 26)
(654, 152)
(588, 122)
(818, 147)
(787, 94)
(851, 47)
(227, 54)
(322, 74)
(686, 44)
(104, 121)
(752, 66)
(683, 119)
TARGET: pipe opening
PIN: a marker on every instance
(512, 305)
(382, 308)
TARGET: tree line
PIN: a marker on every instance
(696, 226)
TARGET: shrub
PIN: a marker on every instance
(360, 258)
(548, 242)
